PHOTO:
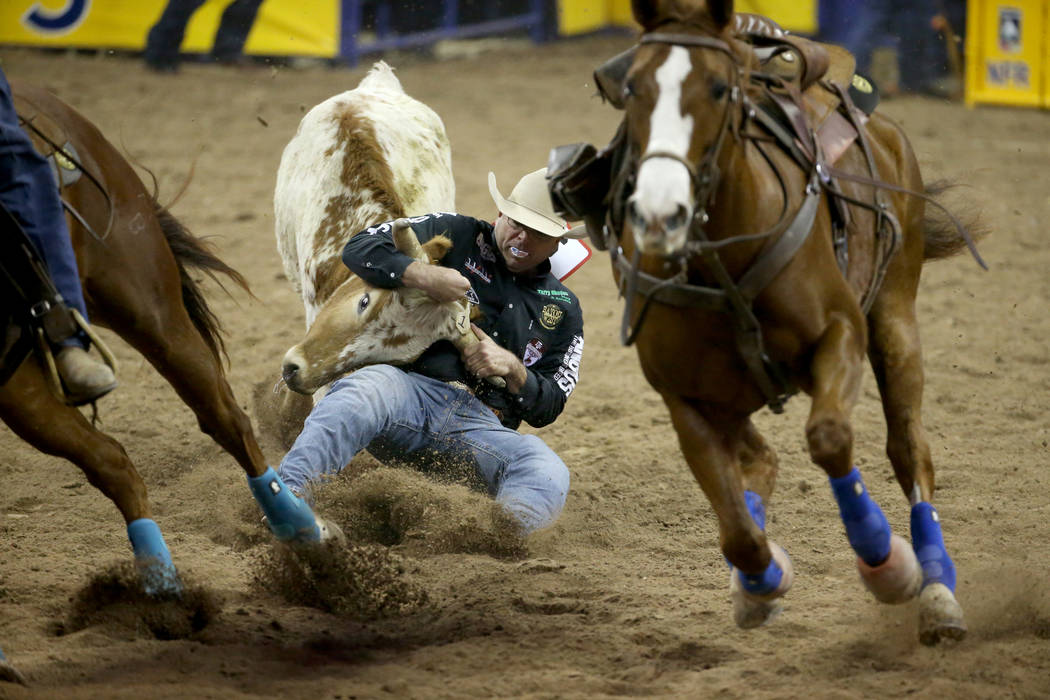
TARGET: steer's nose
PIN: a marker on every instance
(289, 371)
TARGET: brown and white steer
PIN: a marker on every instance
(368, 155)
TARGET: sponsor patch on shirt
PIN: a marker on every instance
(478, 270)
(472, 297)
(487, 253)
(569, 372)
(550, 316)
(533, 352)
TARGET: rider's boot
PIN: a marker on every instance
(85, 377)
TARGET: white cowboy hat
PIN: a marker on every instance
(529, 204)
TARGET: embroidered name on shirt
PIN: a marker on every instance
(478, 270)
(557, 294)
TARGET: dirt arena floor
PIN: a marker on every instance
(628, 594)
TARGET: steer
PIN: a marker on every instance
(368, 155)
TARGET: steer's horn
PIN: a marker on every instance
(405, 239)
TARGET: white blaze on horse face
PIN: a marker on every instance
(661, 206)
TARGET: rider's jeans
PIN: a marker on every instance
(407, 417)
(29, 191)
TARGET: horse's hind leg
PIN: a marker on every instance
(8, 673)
(713, 447)
(194, 372)
(161, 330)
(36, 416)
(886, 563)
(897, 363)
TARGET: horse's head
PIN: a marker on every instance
(679, 96)
(362, 325)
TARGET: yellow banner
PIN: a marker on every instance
(282, 28)
(1007, 54)
(580, 16)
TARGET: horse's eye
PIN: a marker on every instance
(363, 304)
(719, 88)
(628, 90)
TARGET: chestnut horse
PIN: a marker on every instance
(740, 244)
(135, 261)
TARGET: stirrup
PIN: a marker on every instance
(54, 380)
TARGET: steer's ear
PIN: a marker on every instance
(437, 247)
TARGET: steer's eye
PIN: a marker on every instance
(363, 304)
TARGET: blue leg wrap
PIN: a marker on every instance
(866, 526)
(289, 517)
(2, 657)
(757, 509)
(768, 580)
(152, 556)
(937, 566)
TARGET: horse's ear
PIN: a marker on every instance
(721, 12)
(437, 247)
(646, 12)
(405, 239)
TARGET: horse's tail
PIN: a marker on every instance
(194, 253)
(942, 235)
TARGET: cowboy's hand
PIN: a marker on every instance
(487, 359)
(439, 282)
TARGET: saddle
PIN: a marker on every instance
(50, 140)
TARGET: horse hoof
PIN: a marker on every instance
(896, 580)
(158, 578)
(940, 615)
(329, 531)
(751, 610)
(10, 674)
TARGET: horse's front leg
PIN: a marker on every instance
(897, 362)
(886, 563)
(712, 447)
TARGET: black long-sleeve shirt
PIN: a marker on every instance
(533, 316)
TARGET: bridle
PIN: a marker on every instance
(705, 175)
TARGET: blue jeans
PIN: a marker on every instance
(409, 418)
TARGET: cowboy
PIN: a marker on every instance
(29, 194)
(531, 335)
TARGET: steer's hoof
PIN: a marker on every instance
(752, 610)
(896, 580)
(940, 615)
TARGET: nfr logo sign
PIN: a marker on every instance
(41, 20)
